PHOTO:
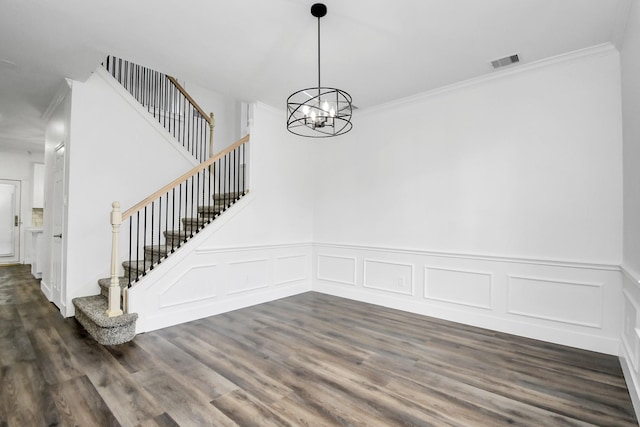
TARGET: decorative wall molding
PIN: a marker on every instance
(341, 265)
(578, 55)
(478, 257)
(213, 281)
(525, 297)
(633, 275)
(291, 268)
(546, 299)
(464, 292)
(388, 276)
(196, 288)
(629, 336)
(248, 275)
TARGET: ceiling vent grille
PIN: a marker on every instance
(507, 60)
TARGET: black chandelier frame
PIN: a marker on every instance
(319, 112)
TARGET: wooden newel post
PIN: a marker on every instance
(212, 124)
(114, 309)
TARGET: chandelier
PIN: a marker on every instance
(319, 112)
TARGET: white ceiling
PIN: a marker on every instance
(376, 50)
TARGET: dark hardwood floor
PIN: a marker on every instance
(308, 360)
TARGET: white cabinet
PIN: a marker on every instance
(38, 185)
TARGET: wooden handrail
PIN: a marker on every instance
(190, 99)
(129, 212)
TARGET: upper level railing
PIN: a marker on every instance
(169, 103)
(162, 222)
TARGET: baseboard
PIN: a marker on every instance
(46, 289)
(494, 292)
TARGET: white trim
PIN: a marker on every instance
(61, 93)
(252, 248)
(597, 325)
(342, 282)
(368, 286)
(477, 257)
(298, 279)
(630, 273)
(569, 57)
(458, 270)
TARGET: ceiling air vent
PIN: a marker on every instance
(503, 62)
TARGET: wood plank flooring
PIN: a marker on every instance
(308, 360)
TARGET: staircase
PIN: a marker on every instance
(166, 220)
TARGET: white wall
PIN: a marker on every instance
(226, 113)
(114, 152)
(257, 251)
(496, 203)
(18, 165)
(630, 64)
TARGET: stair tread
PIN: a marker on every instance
(95, 308)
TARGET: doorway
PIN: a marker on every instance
(9, 221)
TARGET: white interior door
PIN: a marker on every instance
(9, 221)
(58, 226)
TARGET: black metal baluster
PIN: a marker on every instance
(179, 214)
(166, 224)
(137, 244)
(130, 246)
(173, 216)
(152, 224)
(244, 171)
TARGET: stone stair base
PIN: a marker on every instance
(91, 313)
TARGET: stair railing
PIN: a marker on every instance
(169, 103)
(177, 211)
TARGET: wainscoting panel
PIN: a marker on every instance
(630, 341)
(388, 276)
(468, 288)
(292, 268)
(570, 303)
(631, 324)
(555, 300)
(336, 269)
(196, 284)
(248, 275)
(204, 282)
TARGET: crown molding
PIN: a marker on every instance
(604, 49)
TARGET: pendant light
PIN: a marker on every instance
(319, 112)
